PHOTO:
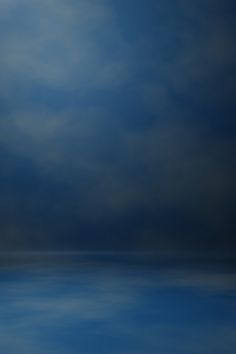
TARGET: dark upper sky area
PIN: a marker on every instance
(117, 125)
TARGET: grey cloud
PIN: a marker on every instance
(57, 46)
(165, 166)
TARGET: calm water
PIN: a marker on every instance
(68, 305)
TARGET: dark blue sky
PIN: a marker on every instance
(117, 127)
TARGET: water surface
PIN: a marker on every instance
(105, 304)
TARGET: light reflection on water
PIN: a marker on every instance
(105, 307)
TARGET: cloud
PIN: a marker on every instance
(106, 170)
(60, 44)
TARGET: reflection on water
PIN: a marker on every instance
(94, 306)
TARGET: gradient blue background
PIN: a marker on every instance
(117, 126)
(117, 133)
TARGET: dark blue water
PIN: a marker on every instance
(68, 305)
